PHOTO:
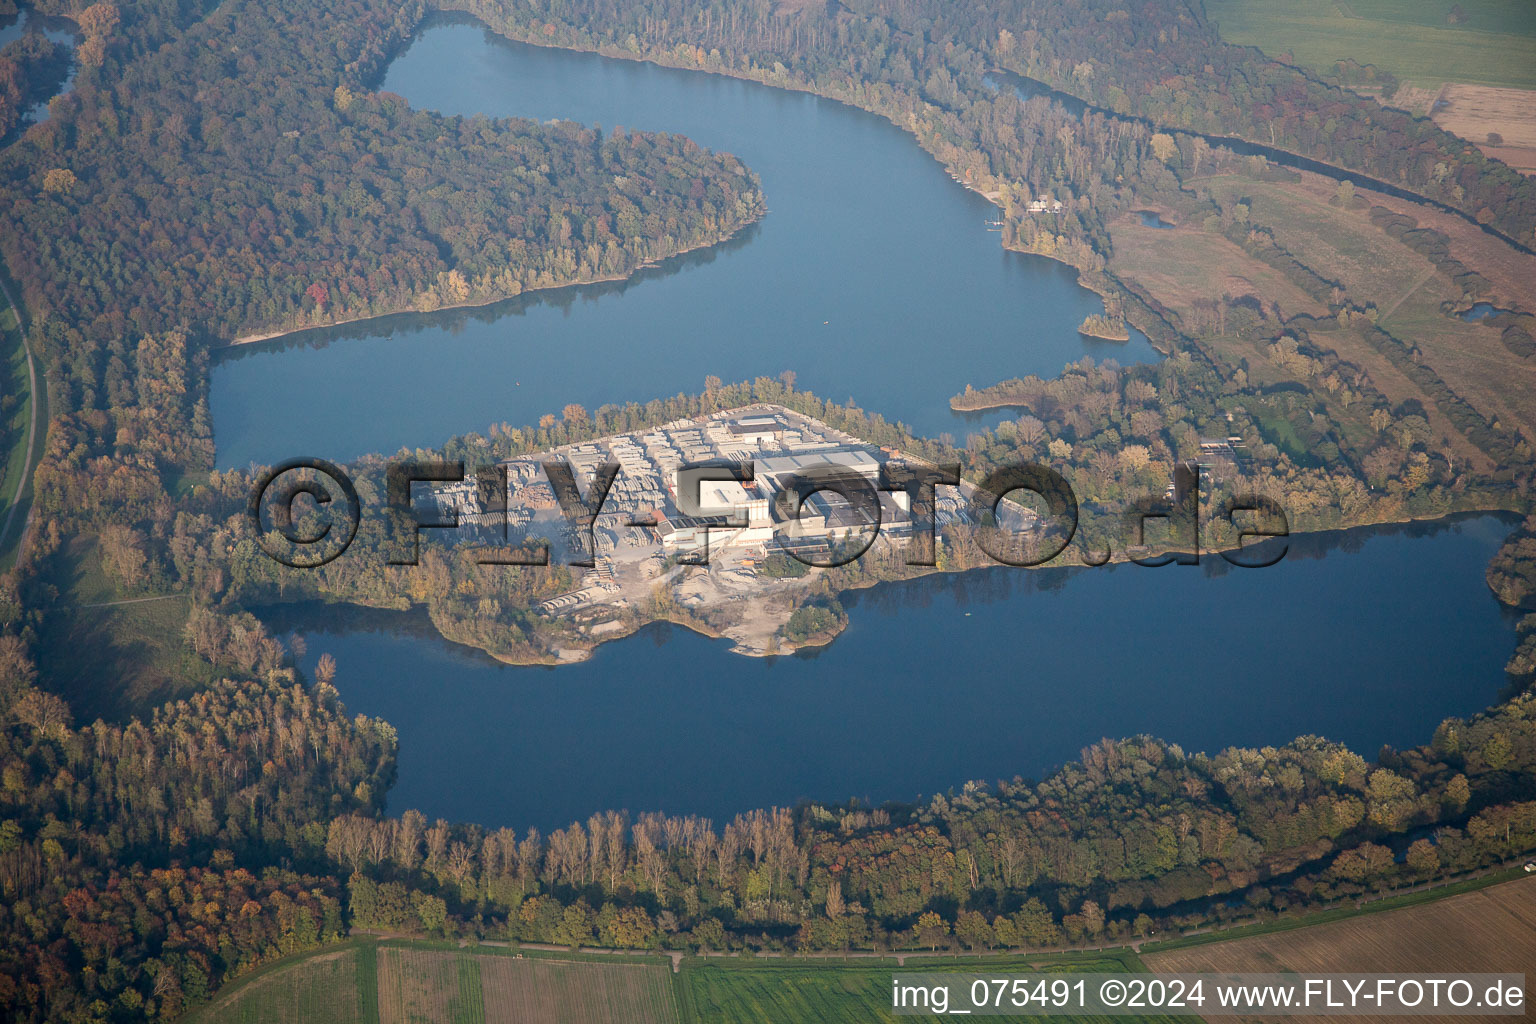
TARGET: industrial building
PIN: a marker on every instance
(641, 529)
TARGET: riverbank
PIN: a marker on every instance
(277, 335)
(754, 625)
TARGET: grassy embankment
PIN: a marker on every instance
(93, 625)
(16, 414)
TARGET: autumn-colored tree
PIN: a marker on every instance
(61, 180)
(123, 557)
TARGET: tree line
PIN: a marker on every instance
(1138, 836)
(144, 864)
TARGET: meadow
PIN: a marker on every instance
(1343, 245)
(1493, 44)
(399, 981)
(144, 636)
(739, 991)
(329, 987)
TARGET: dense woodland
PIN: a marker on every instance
(242, 178)
(143, 864)
(227, 170)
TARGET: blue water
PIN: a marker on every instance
(873, 277)
(1369, 637)
(59, 30)
(1481, 311)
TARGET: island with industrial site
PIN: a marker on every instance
(683, 512)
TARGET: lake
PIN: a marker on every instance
(874, 277)
(1368, 637)
(56, 29)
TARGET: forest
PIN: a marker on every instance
(211, 190)
(143, 864)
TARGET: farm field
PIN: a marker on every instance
(1185, 268)
(1495, 44)
(755, 991)
(445, 986)
(324, 987)
(408, 982)
(1477, 111)
(1489, 930)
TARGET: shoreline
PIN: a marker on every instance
(1103, 336)
(456, 14)
(256, 339)
(577, 654)
(1092, 279)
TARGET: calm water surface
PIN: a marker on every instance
(1368, 637)
(873, 277)
(59, 30)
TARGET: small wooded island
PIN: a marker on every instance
(1097, 325)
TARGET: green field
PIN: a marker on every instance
(410, 982)
(143, 639)
(1495, 44)
(324, 987)
(401, 981)
(398, 981)
(832, 992)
